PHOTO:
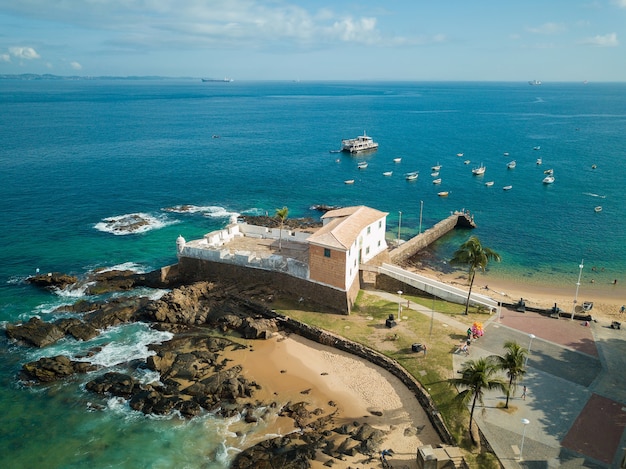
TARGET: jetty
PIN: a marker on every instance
(457, 219)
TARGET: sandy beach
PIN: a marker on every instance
(607, 298)
(292, 368)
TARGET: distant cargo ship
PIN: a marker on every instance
(222, 80)
(534, 82)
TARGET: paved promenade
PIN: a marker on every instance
(576, 391)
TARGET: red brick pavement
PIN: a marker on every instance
(598, 429)
(562, 331)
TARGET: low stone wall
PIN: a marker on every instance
(421, 241)
(462, 219)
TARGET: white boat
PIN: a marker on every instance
(537, 148)
(489, 183)
(511, 164)
(549, 172)
(397, 160)
(362, 165)
(534, 82)
(387, 173)
(467, 162)
(480, 170)
(435, 174)
(349, 181)
(459, 154)
(437, 167)
(437, 181)
(539, 161)
(598, 209)
(411, 176)
(548, 179)
(507, 188)
(359, 144)
(506, 153)
(443, 193)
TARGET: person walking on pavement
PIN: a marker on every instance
(524, 393)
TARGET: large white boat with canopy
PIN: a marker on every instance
(359, 144)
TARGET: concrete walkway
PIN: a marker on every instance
(576, 391)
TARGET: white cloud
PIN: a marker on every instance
(547, 28)
(608, 40)
(620, 3)
(5, 58)
(27, 53)
(76, 66)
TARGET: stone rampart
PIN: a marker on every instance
(421, 241)
(191, 270)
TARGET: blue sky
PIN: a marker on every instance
(493, 40)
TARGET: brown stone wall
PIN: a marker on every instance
(330, 270)
(419, 242)
(327, 298)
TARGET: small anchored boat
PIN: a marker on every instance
(480, 170)
(548, 179)
(387, 173)
(507, 188)
(443, 193)
(411, 176)
(437, 181)
(397, 160)
(511, 164)
(362, 165)
(598, 209)
(349, 181)
(489, 183)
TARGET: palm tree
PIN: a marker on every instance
(477, 376)
(281, 214)
(513, 363)
(473, 254)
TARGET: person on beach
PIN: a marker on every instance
(383, 456)
(622, 309)
(524, 393)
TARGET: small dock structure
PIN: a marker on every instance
(457, 219)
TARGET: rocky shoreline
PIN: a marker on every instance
(195, 374)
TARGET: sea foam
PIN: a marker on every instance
(133, 223)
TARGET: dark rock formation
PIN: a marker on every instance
(52, 280)
(50, 369)
(35, 332)
(274, 222)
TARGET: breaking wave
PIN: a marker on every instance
(133, 223)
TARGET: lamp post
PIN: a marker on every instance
(399, 225)
(532, 336)
(521, 449)
(421, 209)
(580, 273)
(399, 304)
(432, 318)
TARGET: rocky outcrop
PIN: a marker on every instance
(52, 280)
(35, 332)
(96, 316)
(48, 369)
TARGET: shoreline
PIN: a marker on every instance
(607, 298)
(293, 368)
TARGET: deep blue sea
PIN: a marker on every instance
(76, 156)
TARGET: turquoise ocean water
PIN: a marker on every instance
(75, 154)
